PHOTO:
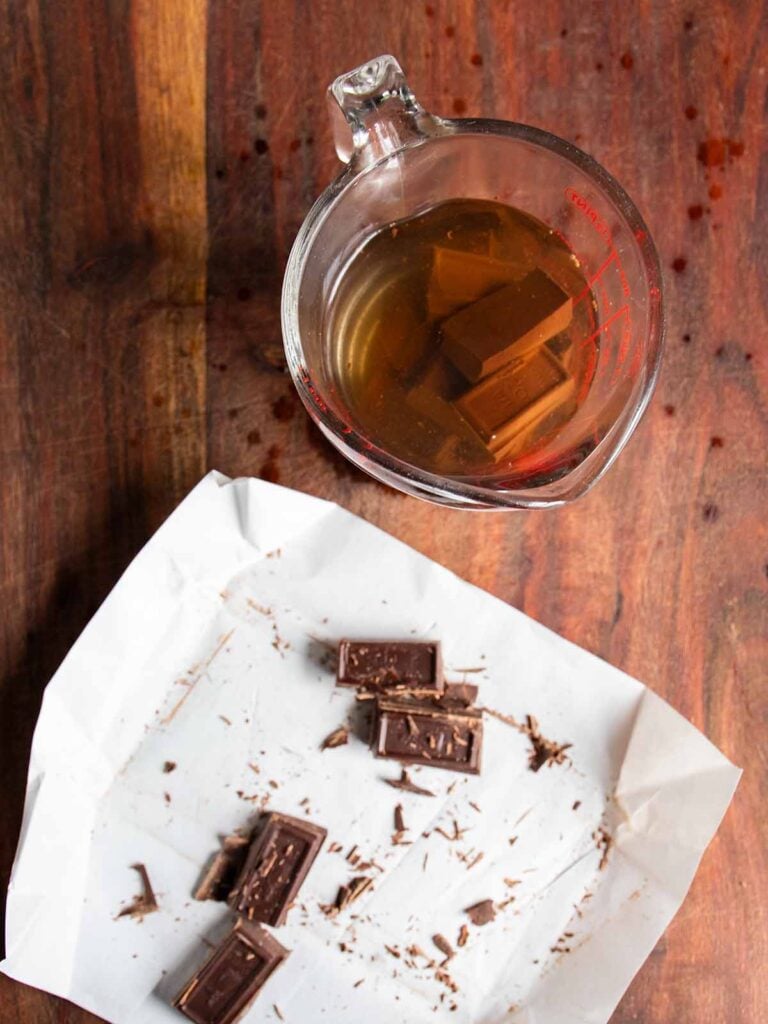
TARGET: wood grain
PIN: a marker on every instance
(157, 160)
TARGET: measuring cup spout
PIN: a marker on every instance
(374, 113)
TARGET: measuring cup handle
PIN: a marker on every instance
(373, 112)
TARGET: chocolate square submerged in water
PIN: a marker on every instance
(232, 977)
(277, 863)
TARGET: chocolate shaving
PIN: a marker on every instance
(544, 752)
(347, 895)
(576, 805)
(463, 936)
(481, 913)
(393, 951)
(604, 841)
(444, 946)
(144, 904)
(337, 738)
(399, 820)
(408, 785)
(276, 1008)
(169, 766)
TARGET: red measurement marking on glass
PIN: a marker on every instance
(604, 231)
(589, 373)
(624, 311)
(624, 344)
(595, 277)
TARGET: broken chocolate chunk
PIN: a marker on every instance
(226, 985)
(218, 880)
(420, 733)
(385, 666)
(277, 863)
(481, 913)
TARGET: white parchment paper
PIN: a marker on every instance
(209, 653)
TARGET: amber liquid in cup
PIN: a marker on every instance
(463, 341)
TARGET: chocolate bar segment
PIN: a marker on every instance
(229, 981)
(506, 325)
(385, 666)
(416, 733)
(507, 408)
(276, 865)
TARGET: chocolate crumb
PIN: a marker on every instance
(576, 805)
(604, 842)
(169, 766)
(463, 936)
(276, 1008)
(444, 946)
(715, 442)
(225, 719)
(337, 738)
(358, 983)
(474, 806)
(481, 913)
(167, 797)
(393, 951)
(146, 903)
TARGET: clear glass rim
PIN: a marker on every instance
(447, 490)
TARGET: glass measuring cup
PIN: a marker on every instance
(401, 160)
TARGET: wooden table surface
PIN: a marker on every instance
(156, 160)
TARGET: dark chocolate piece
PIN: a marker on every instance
(509, 324)
(509, 408)
(276, 865)
(225, 867)
(232, 977)
(385, 666)
(420, 733)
